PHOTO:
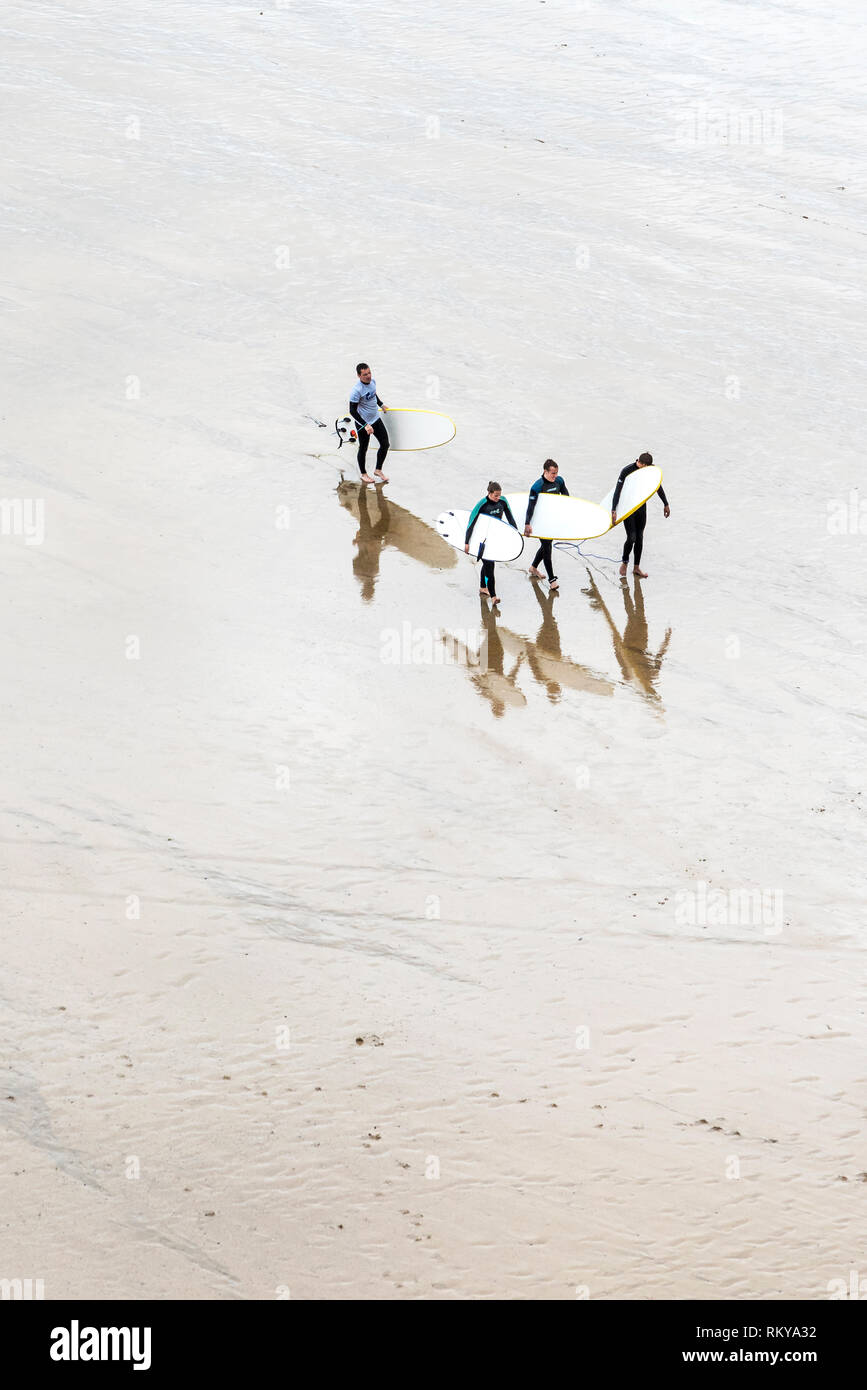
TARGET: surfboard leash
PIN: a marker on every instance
(587, 555)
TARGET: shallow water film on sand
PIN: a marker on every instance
(364, 939)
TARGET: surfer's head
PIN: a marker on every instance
(364, 372)
(644, 460)
(494, 491)
(550, 469)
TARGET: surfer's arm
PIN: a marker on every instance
(630, 468)
(563, 488)
(662, 497)
(508, 510)
(472, 521)
(531, 504)
(353, 410)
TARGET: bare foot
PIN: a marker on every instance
(623, 568)
(380, 475)
(537, 574)
(641, 574)
(554, 583)
(366, 478)
(495, 599)
(483, 593)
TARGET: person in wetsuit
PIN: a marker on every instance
(634, 525)
(364, 407)
(550, 481)
(496, 505)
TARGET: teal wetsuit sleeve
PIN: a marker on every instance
(563, 488)
(508, 510)
(531, 505)
(472, 521)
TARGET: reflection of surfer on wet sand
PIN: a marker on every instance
(496, 686)
(396, 527)
(490, 679)
(545, 658)
(547, 641)
(369, 542)
(638, 666)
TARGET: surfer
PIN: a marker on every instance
(364, 407)
(550, 481)
(634, 525)
(495, 505)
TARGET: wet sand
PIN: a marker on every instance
(333, 962)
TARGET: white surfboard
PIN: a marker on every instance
(417, 429)
(560, 518)
(491, 539)
(638, 489)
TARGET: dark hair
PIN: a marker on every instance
(645, 458)
(494, 487)
(362, 367)
(550, 463)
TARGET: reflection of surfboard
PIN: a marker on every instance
(405, 531)
(555, 670)
(417, 429)
(560, 518)
(638, 488)
(498, 689)
(491, 539)
(494, 685)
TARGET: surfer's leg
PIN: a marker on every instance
(382, 439)
(534, 568)
(363, 441)
(545, 552)
(629, 531)
(640, 523)
(488, 580)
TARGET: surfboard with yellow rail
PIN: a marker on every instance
(638, 489)
(559, 518)
(409, 430)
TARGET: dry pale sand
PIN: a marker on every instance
(372, 978)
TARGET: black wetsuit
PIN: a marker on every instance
(379, 431)
(633, 525)
(544, 552)
(503, 512)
